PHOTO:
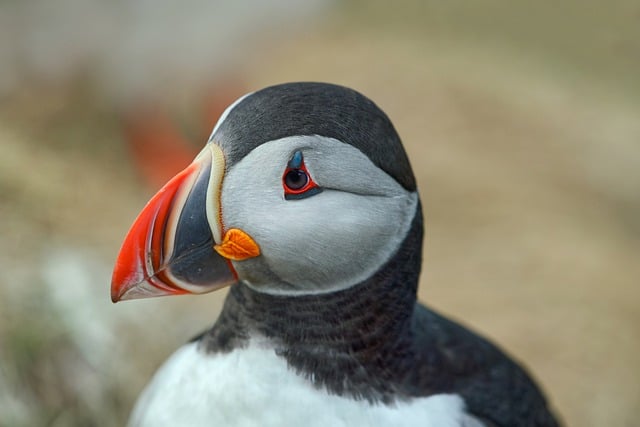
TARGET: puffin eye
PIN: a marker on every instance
(297, 181)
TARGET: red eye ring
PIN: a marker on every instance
(297, 181)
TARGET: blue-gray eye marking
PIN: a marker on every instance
(296, 160)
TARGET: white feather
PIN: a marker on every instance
(254, 387)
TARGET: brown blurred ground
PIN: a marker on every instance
(523, 126)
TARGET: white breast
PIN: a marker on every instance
(254, 387)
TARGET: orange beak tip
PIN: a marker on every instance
(119, 289)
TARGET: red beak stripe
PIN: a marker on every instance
(141, 257)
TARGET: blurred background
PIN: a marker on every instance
(522, 121)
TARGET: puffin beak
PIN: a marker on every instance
(177, 245)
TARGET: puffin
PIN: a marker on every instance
(304, 203)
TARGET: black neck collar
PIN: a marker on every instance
(355, 341)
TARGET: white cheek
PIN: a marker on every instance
(337, 238)
(328, 241)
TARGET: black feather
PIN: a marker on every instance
(323, 109)
(373, 341)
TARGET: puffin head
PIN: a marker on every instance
(302, 188)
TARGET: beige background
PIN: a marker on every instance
(523, 128)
